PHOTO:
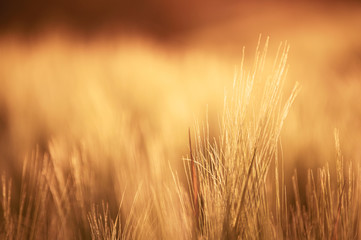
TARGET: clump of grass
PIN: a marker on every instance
(332, 207)
(29, 218)
(232, 201)
(127, 189)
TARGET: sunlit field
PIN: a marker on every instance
(241, 127)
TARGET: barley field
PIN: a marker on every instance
(238, 122)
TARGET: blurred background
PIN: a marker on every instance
(74, 70)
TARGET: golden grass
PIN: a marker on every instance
(117, 181)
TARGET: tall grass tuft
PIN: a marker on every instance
(232, 201)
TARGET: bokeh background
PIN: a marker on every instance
(72, 71)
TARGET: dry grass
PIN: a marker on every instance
(123, 185)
